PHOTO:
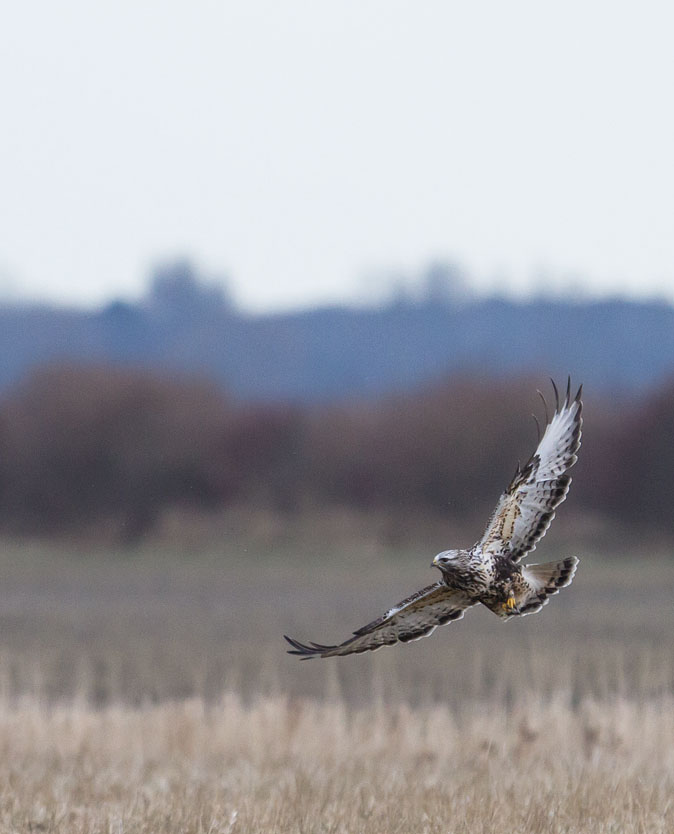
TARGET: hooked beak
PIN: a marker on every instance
(438, 561)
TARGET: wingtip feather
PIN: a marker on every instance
(554, 386)
(305, 652)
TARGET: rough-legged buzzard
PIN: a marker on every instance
(490, 571)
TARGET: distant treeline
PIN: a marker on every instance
(111, 449)
(323, 355)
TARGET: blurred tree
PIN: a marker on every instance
(444, 283)
(107, 449)
(177, 292)
(636, 481)
(82, 446)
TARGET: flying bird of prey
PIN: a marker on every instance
(490, 571)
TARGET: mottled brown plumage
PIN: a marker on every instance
(489, 572)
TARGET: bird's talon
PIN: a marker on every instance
(509, 604)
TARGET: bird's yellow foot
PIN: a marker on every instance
(509, 604)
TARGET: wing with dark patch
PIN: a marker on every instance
(410, 619)
(527, 507)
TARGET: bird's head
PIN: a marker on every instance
(448, 560)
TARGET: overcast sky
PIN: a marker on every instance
(299, 147)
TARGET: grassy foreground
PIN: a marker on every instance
(282, 765)
(112, 718)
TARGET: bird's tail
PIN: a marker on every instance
(545, 580)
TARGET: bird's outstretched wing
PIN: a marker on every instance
(527, 507)
(410, 619)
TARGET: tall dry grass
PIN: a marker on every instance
(112, 719)
(283, 765)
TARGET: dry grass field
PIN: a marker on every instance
(288, 765)
(151, 692)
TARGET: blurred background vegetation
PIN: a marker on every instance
(125, 418)
(182, 482)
